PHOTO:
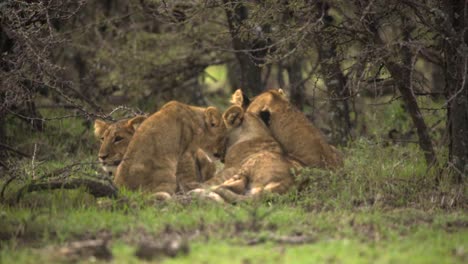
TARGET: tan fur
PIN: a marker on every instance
(254, 161)
(192, 170)
(114, 138)
(291, 128)
(170, 136)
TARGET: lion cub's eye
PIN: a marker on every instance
(102, 139)
(117, 139)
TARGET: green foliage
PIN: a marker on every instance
(62, 140)
(223, 232)
(373, 175)
(383, 206)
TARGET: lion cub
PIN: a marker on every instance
(254, 161)
(115, 137)
(299, 138)
(158, 144)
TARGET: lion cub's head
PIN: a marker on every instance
(115, 138)
(270, 98)
(264, 104)
(214, 136)
(243, 126)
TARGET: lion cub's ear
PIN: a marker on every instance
(233, 116)
(99, 127)
(239, 98)
(136, 121)
(281, 92)
(212, 117)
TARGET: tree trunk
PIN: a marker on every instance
(233, 73)
(296, 83)
(456, 90)
(3, 153)
(251, 73)
(294, 66)
(335, 80)
(401, 74)
(6, 44)
(338, 92)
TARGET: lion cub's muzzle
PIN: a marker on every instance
(220, 152)
(106, 161)
(219, 156)
(109, 166)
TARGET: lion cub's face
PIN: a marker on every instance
(214, 139)
(115, 138)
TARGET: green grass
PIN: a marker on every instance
(360, 214)
(221, 233)
(384, 206)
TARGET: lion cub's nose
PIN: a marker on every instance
(103, 157)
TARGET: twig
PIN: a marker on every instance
(3, 165)
(2, 193)
(292, 240)
(33, 162)
(67, 168)
(15, 150)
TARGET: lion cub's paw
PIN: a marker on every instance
(202, 193)
(215, 197)
(161, 196)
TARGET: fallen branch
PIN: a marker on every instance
(97, 248)
(292, 240)
(94, 187)
(4, 146)
(5, 185)
(2, 164)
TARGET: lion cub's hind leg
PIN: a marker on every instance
(161, 196)
(272, 187)
(231, 190)
(203, 193)
(228, 195)
(237, 184)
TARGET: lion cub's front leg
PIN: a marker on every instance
(158, 178)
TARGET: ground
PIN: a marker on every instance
(384, 206)
(274, 230)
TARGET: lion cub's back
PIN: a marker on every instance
(302, 140)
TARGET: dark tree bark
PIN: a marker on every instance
(401, 74)
(338, 93)
(6, 44)
(296, 83)
(293, 66)
(402, 77)
(2, 137)
(279, 76)
(233, 73)
(456, 91)
(251, 73)
(336, 83)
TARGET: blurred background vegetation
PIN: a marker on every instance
(386, 73)
(384, 80)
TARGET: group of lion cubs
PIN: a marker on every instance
(260, 141)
